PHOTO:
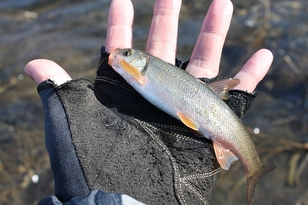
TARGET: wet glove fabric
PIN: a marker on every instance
(106, 136)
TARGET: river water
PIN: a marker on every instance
(71, 33)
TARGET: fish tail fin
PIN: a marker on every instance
(253, 179)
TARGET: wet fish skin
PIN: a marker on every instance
(196, 104)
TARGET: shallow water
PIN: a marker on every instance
(71, 34)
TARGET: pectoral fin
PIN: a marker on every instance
(188, 121)
(224, 156)
(132, 71)
(222, 87)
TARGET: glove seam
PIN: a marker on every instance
(144, 126)
(178, 180)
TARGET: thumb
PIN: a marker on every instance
(41, 69)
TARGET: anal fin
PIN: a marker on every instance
(224, 156)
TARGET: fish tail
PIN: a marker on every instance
(253, 179)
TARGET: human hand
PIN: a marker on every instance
(88, 122)
(204, 61)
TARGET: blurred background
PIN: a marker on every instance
(72, 32)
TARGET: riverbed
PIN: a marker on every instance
(71, 34)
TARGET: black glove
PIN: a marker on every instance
(106, 136)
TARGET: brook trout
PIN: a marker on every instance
(198, 105)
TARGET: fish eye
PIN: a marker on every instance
(127, 52)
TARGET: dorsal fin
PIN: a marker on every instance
(224, 156)
(222, 87)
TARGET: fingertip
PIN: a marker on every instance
(34, 70)
(28, 69)
(254, 70)
(267, 53)
(40, 70)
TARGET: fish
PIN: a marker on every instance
(200, 106)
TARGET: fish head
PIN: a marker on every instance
(131, 64)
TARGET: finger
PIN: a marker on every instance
(205, 59)
(164, 28)
(40, 70)
(254, 70)
(120, 21)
